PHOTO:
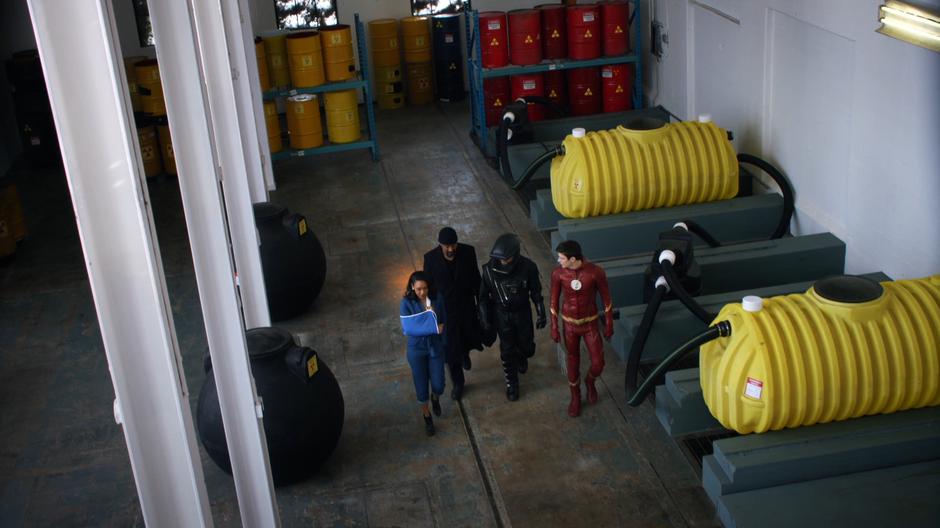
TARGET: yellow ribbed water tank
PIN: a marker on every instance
(623, 170)
(849, 347)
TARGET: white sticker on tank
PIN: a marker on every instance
(587, 17)
(528, 85)
(493, 25)
(754, 388)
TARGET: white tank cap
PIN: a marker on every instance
(578, 132)
(683, 225)
(704, 118)
(752, 303)
(667, 254)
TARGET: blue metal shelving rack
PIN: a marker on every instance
(477, 72)
(362, 82)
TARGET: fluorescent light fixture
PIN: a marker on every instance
(910, 24)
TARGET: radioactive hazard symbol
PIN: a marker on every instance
(619, 89)
(588, 92)
(528, 39)
(424, 83)
(440, 25)
(618, 29)
(588, 34)
(498, 102)
(555, 34)
(147, 153)
(452, 67)
(494, 42)
(552, 94)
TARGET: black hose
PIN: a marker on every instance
(720, 329)
(502, 147)
(673, 280)
(702, 233)
(534, 166)
(639, 339)
(784, 225)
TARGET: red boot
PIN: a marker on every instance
(574, 408)
(591, 389)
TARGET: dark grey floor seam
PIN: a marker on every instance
(401, 226)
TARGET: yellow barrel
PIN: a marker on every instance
(383, 41)
(338, 52)
(275, 48)
(622, 170)
(416, 39)
(10, 203)
(149, 89)
(391, 100)
(822, 356)
(387, 74)
(149, 150)
(131, 73)
(420, 83)
(262, 59)
(273, 124)
(342, 116)
(7, 242)
(305, 59)
(303, 121)
(166, 148)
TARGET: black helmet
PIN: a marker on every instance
(506, 247)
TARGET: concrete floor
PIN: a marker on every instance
(63, 461)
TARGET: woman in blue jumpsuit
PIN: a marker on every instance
(425, 344)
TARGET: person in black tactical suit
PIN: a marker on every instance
(510, 281)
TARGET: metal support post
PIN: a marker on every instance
(180, 72)
(84, 71)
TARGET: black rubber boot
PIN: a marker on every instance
(512, 380)
(429, 425)
(436, 404)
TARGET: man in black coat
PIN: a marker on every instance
(454, 272)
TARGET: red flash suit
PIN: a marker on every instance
(579, 311)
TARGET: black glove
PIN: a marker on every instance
(540, 315)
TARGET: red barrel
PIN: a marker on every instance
(493, 45)
(584, 31)
(495, 97)
(616, 16)
(617, 87)
(584, 87)
(554, 31)
(525, 37)
(556, 89)
(526, 85)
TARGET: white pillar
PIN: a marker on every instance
(220, 72)
(84, 72)
(184, 89)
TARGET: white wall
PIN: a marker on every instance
(851, 116)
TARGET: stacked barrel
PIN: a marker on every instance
(448, 57)
(555, 32)
(494, 53)
(153, 129)
(386, 60)
(419, 73)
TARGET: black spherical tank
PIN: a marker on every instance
(302, 402)
(292, 258)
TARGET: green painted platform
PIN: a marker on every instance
(680, 407)
(739, 266)
(901, 496)
(745, 219)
